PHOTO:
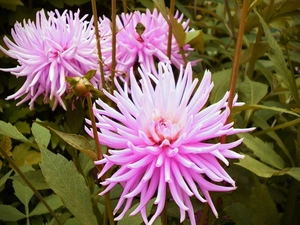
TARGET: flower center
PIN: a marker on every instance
(55, 54)
(162, 129)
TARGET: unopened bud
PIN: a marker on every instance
(81, 88)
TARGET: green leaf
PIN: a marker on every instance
(18, 114)
(9, 130)
(147, 3)
(262, 150)
(262, 207)
(5, 145)
(257, 167)
(264, 125)
(53, 201)
(9, 213)
(195, 39)
(24, 193)
(41, 134)
(63, 217)
(57, 3)
(75, 2)
(239, 213)
(178, 30)
(78, 142)
(251, 92)
(294, 172)
(10, 4)
(86, 163)
(160, 5)
(221, 81)
(23, 127)
(90, 74)
(183, 9)
(36, 178)
(257, 107)
(75, 117)
(68, 184)
(4, 178)
(137, 219)
(23, 154)
(72, 221)
(276, 56)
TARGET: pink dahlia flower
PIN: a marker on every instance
(160, 138)
(142, 38)
(55, 46)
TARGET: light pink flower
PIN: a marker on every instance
(48, 50)
(147, 47)
(160, 138)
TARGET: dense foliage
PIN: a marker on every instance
(53, 151)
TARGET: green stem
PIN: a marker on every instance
(100, 156)
(38, 195)
(94, 8)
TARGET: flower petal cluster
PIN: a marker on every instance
(55, 46)
(142, 39)
(160, 137)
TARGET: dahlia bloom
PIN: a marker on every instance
(160, 138)
(143, 38)
(48, 50)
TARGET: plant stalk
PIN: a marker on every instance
(172, 8)
(114, 41)
(164, 217)
(124, 6)
(38, 195)
(239, 43)
(98, 44)
(94, 127)
(100, 156)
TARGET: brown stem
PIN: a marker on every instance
(94, 127)
(164, 220)
(114, 40)
(172, 8)
(38, 195)
(239, 43)
(100, 156)
(98, 44)
(124, 6)
(236, 62)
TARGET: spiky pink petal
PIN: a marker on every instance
(161, 135)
